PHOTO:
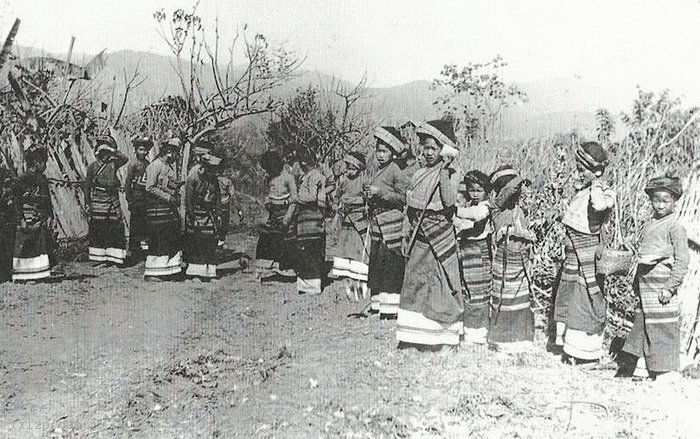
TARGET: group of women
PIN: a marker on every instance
(449, 257)
(152, 192)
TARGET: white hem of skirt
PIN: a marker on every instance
(309, 286)
(163, 265)
(475, 335)
(414, 327)
(344, 267)
(111, 254)
(34, 268)
(583, 346)
(207, 271)
(389, 303)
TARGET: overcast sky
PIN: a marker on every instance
(653, 43)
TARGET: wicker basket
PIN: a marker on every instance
(612, 262)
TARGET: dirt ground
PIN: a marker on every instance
(103, 354)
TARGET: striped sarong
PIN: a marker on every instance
(275, 244)
(310, 224)
(104, 204)
(352, 252)
(200, 244)
(512, 319)
(106, 232)
(438, 232)
(387, 226)
(107, 243)
(579, 302)
(576, 278)
(31, 255)
(357, 218)
(164, 255)
(430, 310)
(160, 213)
(203, 221)
(475, 261)
(655, 335)
(310, 250)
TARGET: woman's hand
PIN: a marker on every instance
(371, 191)
(665, 297)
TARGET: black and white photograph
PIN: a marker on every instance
(349, 219)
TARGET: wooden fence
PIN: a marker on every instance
(66, 170)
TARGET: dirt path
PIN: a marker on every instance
(113, 356)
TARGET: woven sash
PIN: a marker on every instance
(104, 204)
(437, 231)
(31, 207)
(358, 219)
(202, 221)
(387, 226)
(309, 224)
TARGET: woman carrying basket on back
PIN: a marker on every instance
(579, 308)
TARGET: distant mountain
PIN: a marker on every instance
(554, 105)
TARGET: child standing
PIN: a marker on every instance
(579, 308)
(663, 262)
(34, 217)
(274, 251)
(474, 235)
(310, 232)
(352, 250)
(136, 196)
(101, 189)
(512, 322)
(386, 194)
(430, 312)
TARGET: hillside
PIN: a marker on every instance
(554, 105)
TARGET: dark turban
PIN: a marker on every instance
(592, 156)
(669, 184)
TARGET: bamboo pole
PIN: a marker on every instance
(66, 68)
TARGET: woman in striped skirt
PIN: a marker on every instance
(101, 189)
(663, 262)
(310, 232)
(579, 307)
(136, 196)
(34, 216)
(202, 206)
(386, 194)
(164, 254)
(472, 224)
(512, 322)
(274, 254)
(430, 312)
(352, 250)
